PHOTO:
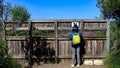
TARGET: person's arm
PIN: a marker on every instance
(82, 39)
(80, 34)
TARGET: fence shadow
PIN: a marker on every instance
(82, 51)
(37, 50)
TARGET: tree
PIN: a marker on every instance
(7, 11)
(6, 60)
(2, 30)
(110, 9)
(20, 14)
(1, 12)
(1, 9)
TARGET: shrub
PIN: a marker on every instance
(6, 60)
(113, 59)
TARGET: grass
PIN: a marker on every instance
(113, 59)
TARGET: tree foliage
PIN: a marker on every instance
(20, 13)
(113, 35)
(1, 9)
(6, 60)
(110, 9)
(7, 11)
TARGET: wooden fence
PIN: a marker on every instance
(96, 46)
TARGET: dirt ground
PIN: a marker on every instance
(65, 65)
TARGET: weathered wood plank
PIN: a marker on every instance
(24, 38)
(108, 36)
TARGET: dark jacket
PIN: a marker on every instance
(74, 30)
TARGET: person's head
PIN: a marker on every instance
(75, 28)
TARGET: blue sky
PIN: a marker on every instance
(59, 9)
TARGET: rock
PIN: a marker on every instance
(98, 62)
(88, 62)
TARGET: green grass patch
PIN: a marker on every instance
(113, 59)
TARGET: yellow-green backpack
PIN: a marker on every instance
(76, 38)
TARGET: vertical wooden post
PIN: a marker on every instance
(30, 51)
(108, 35)
(56, 41)
(81, 26)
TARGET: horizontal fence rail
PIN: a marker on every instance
(62, 25)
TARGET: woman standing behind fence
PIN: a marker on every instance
(76, 43)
